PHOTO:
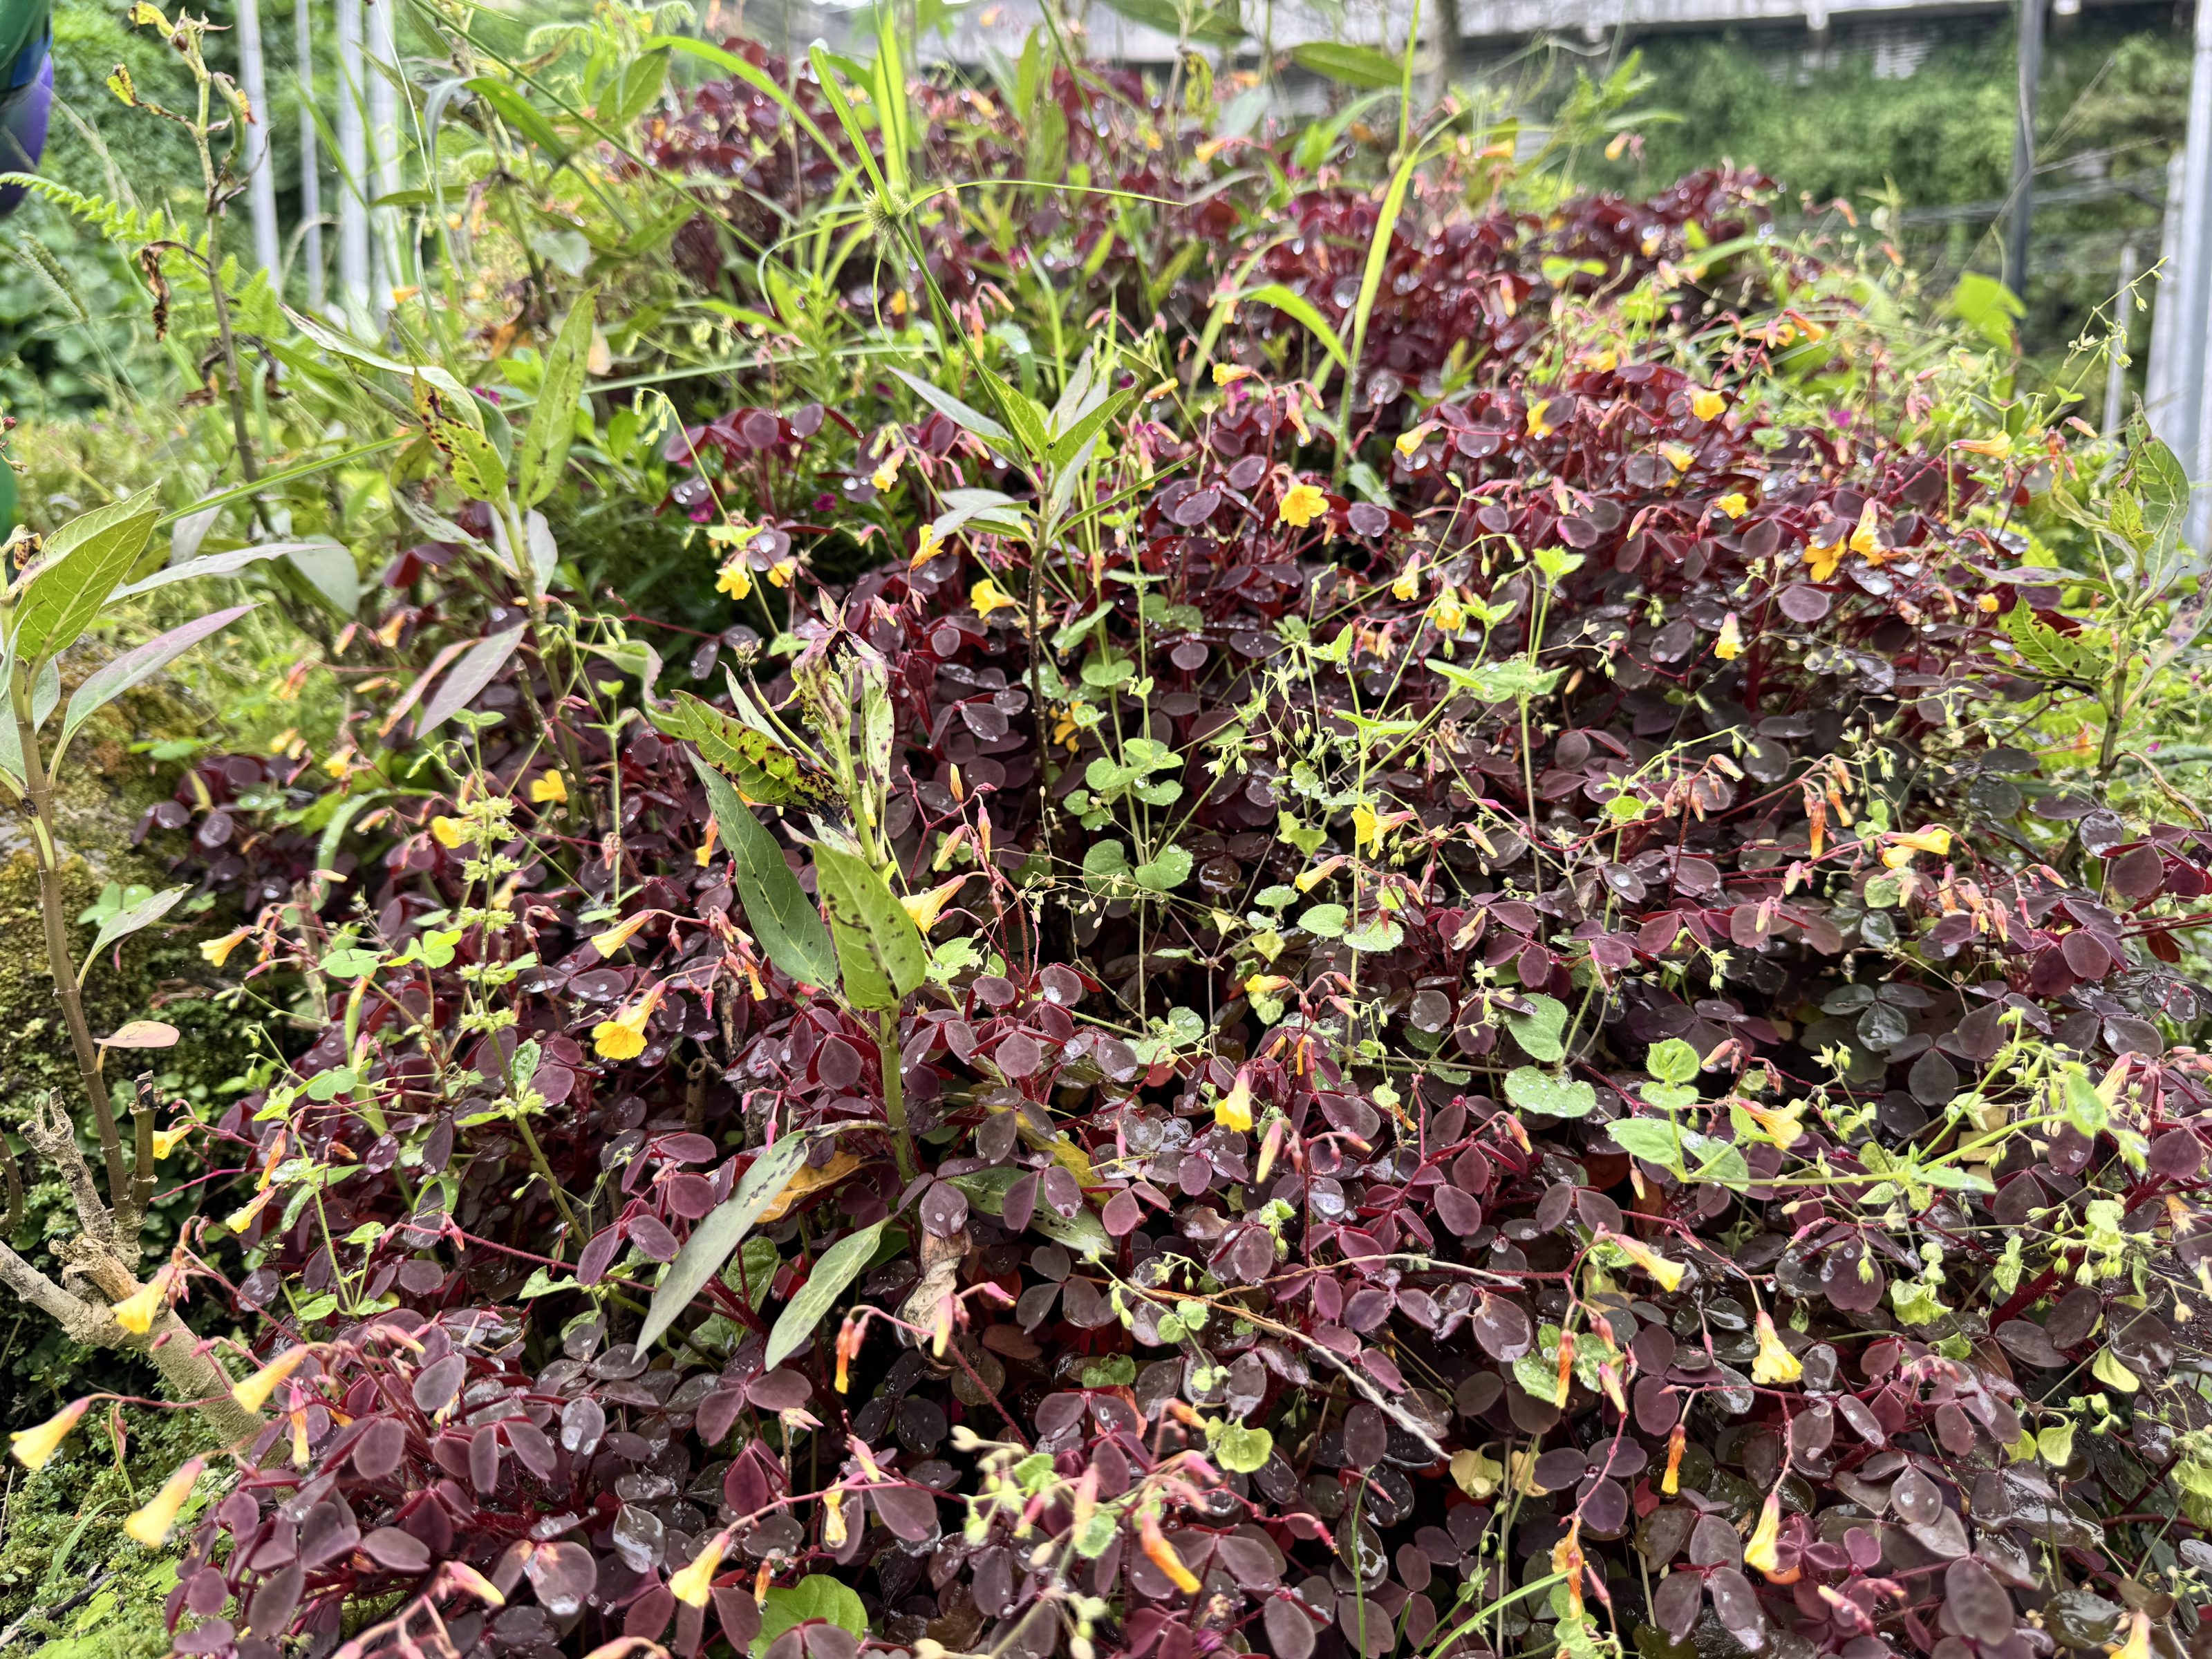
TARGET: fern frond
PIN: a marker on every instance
(116, 220)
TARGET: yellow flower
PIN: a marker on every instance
(549, 789)
(34, 1447)
(1233, 1109)
(1760, 1550)
(1229, 374)
(150, 1525)
(1733, 504)
(1366, 829)
(1265, 984)
(1931, 838)
(1997, 448)
(253, 1393)
(166, 1140)
(1729, 646)
(925, 908)
(1671, 1481)
(2137, 1646)
(1863, 537)
(988, 596)
(690, 1584)
(448, 832)
(1302, 504)
(886, 475)
(622, 1037)
(606, 943)
(927, 548)
(1161, 1554)
(1706, 404)
(1448, 615)
(1669, 1273)
(1783, 1127)
(1411, 440)
(1773, 1363)
(1407, 585)
(781, 572)
(735, 579)
(217, 950)
(1820, 562)
(1677, 457)
(1989, 604)
(1538, 426)
(339, 765)
(136, 1312)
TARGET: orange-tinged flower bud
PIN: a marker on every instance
(1161, 1554)
(151, 1523)
(34, 1447)
(1677, 1437)
(690, 1584)
(253, 1393)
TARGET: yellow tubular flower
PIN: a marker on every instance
(988, 596)
(1671, 1481)
(734, 580)
(1729, 646)
(136, 1312)
(690, 1584)
(1706, 404)
(150, 1525)
(1302, 504)
(1229, 374)
(1677, 457)
(253, 1393)
(1761, 1549)
(622, 1037)
(1864, 539)
(2137, 1646)
(1233, 1109)
(34, 1447)
(166, 1140)
(551, 789)
(448, 832)
(1161, 1554)
(1669, 1273)
(925, 908)
(1734, 504)
(216, 951)
(1773, 1363)
(613, 938)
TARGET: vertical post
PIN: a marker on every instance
(382, 71)
(260, 165)
(2165, 307)
(2116, 366)
(2186, 286)
(2023, 147)
(310, 171)
(354, 185)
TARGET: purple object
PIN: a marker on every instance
(23, 117)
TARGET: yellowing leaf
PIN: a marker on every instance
(807, 1181)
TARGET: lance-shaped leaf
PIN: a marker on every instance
(840, 1264)
(455, 427)
(111, 680)
(228, 563)
(139, 916)
(880, 953)
(783, 919)
(764, 769)
(721, 1232)
(553, 421)
(961, 415)
(471, 675)
(80, 566)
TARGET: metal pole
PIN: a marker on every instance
(382, 69)
(2190, 284)
(353, 165)
(2116, 364)
(2023, 147)
(260, 167)
(311, 169)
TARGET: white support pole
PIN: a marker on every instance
(310, 179)
(2191, 282)
(2165, 308)
(354, 280)
(260, 165)
(2116, 367)
(382, 69)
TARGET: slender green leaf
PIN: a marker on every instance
(553, 421)
(1300, 309)
(880, 953)
(78, 569)
(1365, 67)
(516, 110)
(840, 1264)
(111, 680)
(969, 420)
(783, 919)
(721, 1232)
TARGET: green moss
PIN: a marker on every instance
(62, 1531)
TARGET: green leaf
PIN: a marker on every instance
(1646, 1138)
(1376, 934)
(783, 919)
(721, 1232)
(1299, 309)
(1325, 920)
(1498, 682)
(1672, 1061)
(553, 421)
(763, 768)
(1364, 67)
(2054, 1442)
(968, 419)
(817, 1596)
(454, 427)
(123, 923)
(880, 953)
(2107, 1369)
(78, 568)
(840, 1264)
(111, 679)
(1242, 1450)
(1165, 871)
(1082, 1232)
(327, 567)
(1538, 1030)
(1208, 25)
(516, 110)
(1533, 1090)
